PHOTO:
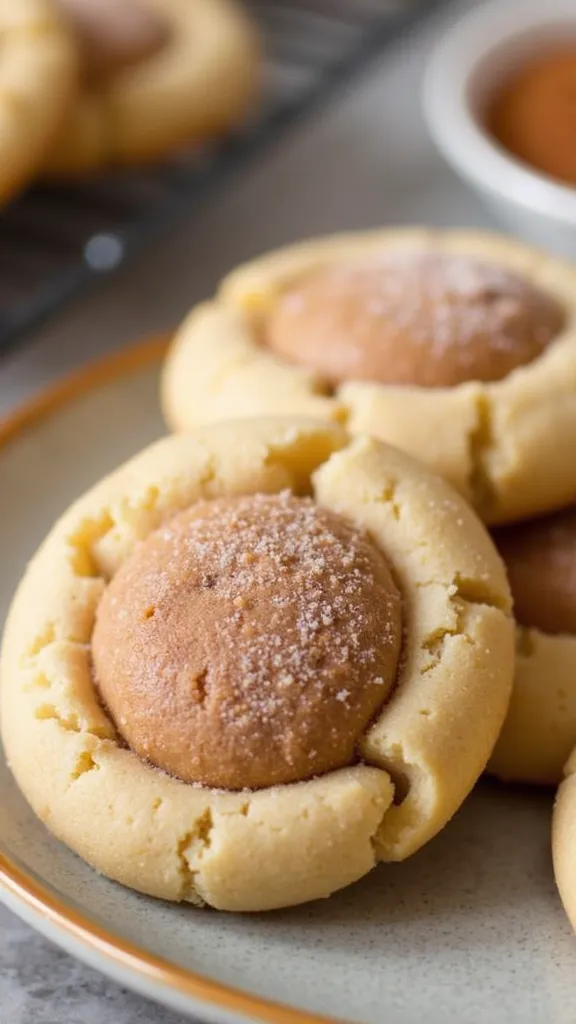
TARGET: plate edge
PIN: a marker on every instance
(20, 886)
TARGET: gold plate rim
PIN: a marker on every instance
(17, 882)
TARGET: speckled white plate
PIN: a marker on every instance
(470, 930)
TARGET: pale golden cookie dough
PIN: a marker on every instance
(195, 84)
(38, 77)
(280, 845)
(564, 839)
(540, 729)
(506, 445)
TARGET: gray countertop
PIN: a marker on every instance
(363, 162)
(39, 984)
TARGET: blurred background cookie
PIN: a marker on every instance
(156, 74)
(38, 72)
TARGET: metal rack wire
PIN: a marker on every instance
(57, 241)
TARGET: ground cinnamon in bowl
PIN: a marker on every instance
(533, 115)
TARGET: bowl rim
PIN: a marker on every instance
(452, 123)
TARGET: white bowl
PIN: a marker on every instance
(465, 69)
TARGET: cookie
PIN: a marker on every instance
(158, 74)
(564, 839)
(459, 347)
(38, 79)
(540, 729)
(254, 661)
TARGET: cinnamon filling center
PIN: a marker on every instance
(249, 642)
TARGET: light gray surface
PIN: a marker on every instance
(39, 984)
(367, 161)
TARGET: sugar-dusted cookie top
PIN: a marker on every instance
(430, 319)
(249, 642)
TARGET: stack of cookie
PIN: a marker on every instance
(88, 84)
(459, 348)
(272, 652)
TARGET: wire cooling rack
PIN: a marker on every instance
(57, 241)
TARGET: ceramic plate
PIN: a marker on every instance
(469, 930)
